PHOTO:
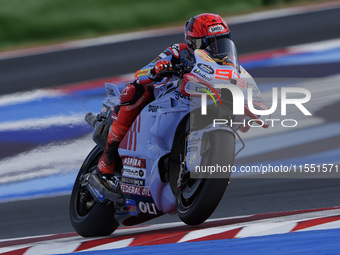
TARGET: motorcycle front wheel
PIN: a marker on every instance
(88, 217)
(198, 198)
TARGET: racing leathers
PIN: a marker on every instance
(134, 97)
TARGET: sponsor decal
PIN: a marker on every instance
(125, 91)
(205, 68)
(216, 29)
(110, 91)
(189, 57)
(101, 165)
(133, 181)
(162, 55)
(133, 190)
(134, 172)
(193, 148)
(203, 90)
(245, 73)
(204, 56)
(167, 52)
(101, 197)
(178, 95)
(204, 76)
(112, 136)
(107, 102)
(131, 206)
(154, 108)
(114, 116)
(104, 109)
(133, 161)
(143, 72)
(256, 92)
(137, 104)
(175, 50)
(149, 208)
(194, 140)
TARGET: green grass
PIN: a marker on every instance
(33, 22)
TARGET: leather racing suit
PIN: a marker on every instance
(134, 97)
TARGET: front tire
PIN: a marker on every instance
(88, 217)
(198, 199)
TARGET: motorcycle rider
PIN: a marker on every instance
(200, 31)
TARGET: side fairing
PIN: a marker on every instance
(149, 138)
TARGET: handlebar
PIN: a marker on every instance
(178, 70)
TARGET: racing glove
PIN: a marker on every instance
(161, 70)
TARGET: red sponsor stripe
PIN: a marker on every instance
(129, 140)
(139, 120)
(132, 127)
(135, 125)
(135, 145)
(133, 140)
(230, 234)
(315, 222)
(123, 143)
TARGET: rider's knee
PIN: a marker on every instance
(131, 93)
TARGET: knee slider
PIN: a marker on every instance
(131, 93)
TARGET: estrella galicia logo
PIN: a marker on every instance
(205, 68)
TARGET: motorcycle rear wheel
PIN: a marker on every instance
(88, 217)
(198, 199)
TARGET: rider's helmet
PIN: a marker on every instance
(204, 29)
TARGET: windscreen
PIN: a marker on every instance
(223, 51)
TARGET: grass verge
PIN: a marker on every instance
(26, 23)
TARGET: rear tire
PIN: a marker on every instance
(199, 199)
(88, 217)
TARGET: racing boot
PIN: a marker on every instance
(109, 167)
(104, 187)
(106, 177)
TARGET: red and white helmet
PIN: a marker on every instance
(204, 29)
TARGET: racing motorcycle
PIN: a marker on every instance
(169, 147)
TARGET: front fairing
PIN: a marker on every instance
(220, 66)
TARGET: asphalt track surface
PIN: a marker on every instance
(243, 196)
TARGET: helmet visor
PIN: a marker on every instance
(222, 50)
(203, 42)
